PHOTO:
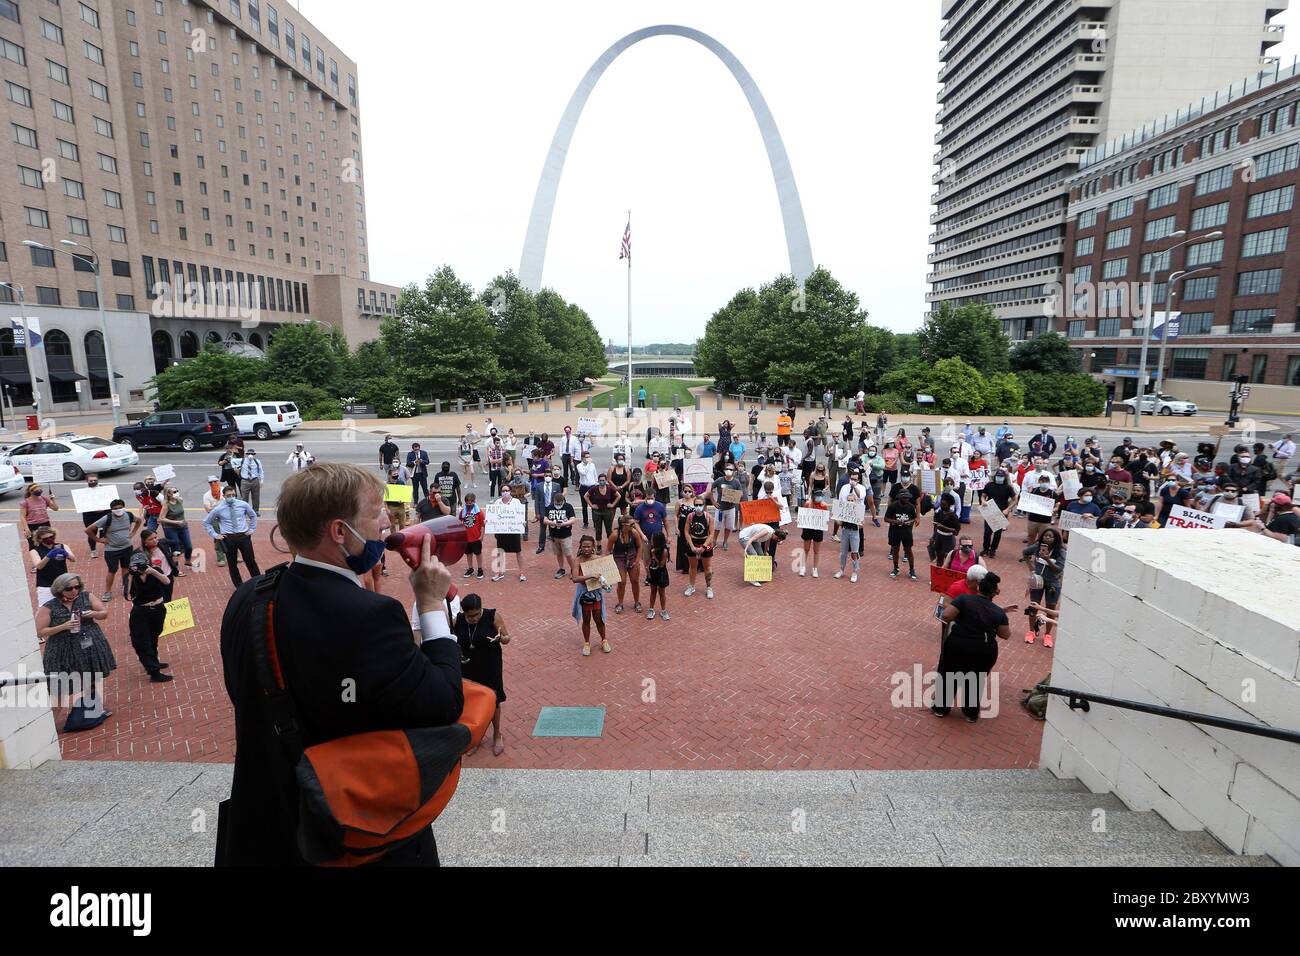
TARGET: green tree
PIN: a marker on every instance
(576, 349)
(212, 379)
(522, 351)
(1076, 395)
(958, 388)
(443, 339)
(1004, 394)
(306, 352)
(1045, 353)
(906, 379)
(972, 333)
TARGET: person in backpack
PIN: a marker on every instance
(348, 655)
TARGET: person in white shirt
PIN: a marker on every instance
(299, 458)
(760, 539)
(1283, 450)
(623, 446)
(1035, 474)
(588, 478)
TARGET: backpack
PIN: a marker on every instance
(1268, 471)
(363, 795)
(1036, 700)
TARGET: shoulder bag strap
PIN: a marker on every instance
(259, 615)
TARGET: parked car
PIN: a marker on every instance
(11, 479)
(188, 428)
(265, 419)
(1167, 405)
(78, 454)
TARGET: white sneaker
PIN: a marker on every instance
(664, 615)
(839, 574)
(801, 572)
(498, 577)
(650, 614)
(708, 592)
(853, 578)
(689, 591)
(814, 572)
(757, 584)
(522, 578)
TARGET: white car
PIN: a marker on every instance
(264, 419)
(78, 454)
(11, 479)
(1167, 405)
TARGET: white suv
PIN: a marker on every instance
(264, 419)
(1168, 405)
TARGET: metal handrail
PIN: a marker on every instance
(1079, 700)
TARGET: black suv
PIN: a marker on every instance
(188, 428)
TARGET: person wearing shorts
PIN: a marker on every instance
(509, 543)
(560, 519)
(116, 529)
(728, 515)
(474, 519)
(901, 518)
(625, 545)
(699, 544)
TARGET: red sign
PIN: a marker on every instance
(941, 579)
(762, 511)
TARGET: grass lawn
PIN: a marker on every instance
(665, 388)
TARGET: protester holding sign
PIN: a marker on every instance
(589, 599)
(147, 586)
(34, 510)
(854, 494)
(509, 542)
(1046, 560)
(812, 536)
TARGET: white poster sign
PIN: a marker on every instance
(1040, 505)
(1070, 484)
(1229, 512)
(850, 512)
(589, 426)
(1069, 521)
(814, 519)
(94, 499)
(929, 481)
(993, 516)
(505, 519)
(697, 470)
(1181, 517)
(1252, 502)
(46, 471)
(163, 473)
(978, 479)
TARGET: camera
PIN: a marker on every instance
(139, 561)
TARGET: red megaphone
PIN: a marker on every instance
(446, 537)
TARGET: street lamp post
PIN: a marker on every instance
(113, 399)
(27, 343)
(1146, 333)
(1164, 332)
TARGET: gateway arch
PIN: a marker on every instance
(539, 222)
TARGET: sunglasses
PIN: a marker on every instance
(72, 587)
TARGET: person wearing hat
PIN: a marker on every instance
(1285, 523)
(77, 656)
(212, 498)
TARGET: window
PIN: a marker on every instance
(1277, 161)
(62, 111)
(1214, 180)
(44, 258)
(1162, 196)
(1087, 219)
(37, 217)
(87, 300)
(107, 163)
(1154, 260)
(1114, 269)
(69, 151)
(1107, 328)
(51, 32)
(24, 136)
(1207, 217)
(1159, 228)
(1271, 202)
(1196, 323)
(1252, 321)
(1258, 367)
(19, 94)
(1267, 243)
(1199, 255)
(30, 177)
(45, 295)
(1119, 238)
(1262, 282)
(103, 127)
(1292, 371)
(1200, 289)
(89, 15)
(9, 10)
(1082, 274)
(98, 90)
(1189, 363)
(1119, 209)
(12, 51)
(73, 188)
(93, 52)
(1074, 328)
(1083, 247)
(56, 72)
(116, 234)
(78, 226)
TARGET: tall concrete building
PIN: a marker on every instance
(1028, 87)
(207, 153)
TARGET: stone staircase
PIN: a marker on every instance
(100, 813)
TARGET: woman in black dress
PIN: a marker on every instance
(77, 656)
(685, 508)
(481, 633)
(620, 478)
(970, 650)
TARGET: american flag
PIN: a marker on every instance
(626, 251)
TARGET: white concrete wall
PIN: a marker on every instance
(27, 734)
(1205, 621)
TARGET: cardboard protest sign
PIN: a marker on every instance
(1040, 505)
(603, 566)
(814, 519)
(732, 495)
(505, 519)
(697, 470)
(94, 499)
(941, 579)
(589, 426)
(1224, 510)
(1181, 517)
(163, 473)
(399, 493)
(993, 516)
(760, 511)
(1121, 490)
(1069, 521)
(1070, 484)
(758, 567)
(1219, 431)
(180, 617)
(665, 479)
(850, 512)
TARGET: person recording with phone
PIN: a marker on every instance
(347, 656)
(147, 587)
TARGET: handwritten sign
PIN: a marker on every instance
(1070, 484)
(978, 479)
(850, 512)
(1181, 517)
(731, 495)
(1041, 505)
(993, 516)
(929, 481)
(402, 494)
(44, 472)
(94, 499)
(1069, 521)
(814, 519)
(760, 511)
(1121, 490)
(697, 470)
(1252, 502)
(1219, 431)
(180, 617)
(589, 426)
(601, 567)
(505, 518)
(163, 473)
(758, 567)
(941, 579)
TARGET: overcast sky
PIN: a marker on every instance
(460, 101)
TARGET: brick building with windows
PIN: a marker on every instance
(1228, 164)
(207, 153)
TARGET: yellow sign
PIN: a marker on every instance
(180, 617)
(758, 567)
(398, 493)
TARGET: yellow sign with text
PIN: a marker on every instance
(180, 617)
(398, 493)
(758, 567)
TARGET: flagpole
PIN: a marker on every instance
(629, 316)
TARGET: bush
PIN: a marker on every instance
(382, 391)
(314, 404)
(404, 408)
(1004, 394)
(1073, 395)
(892, 403)
(958, 389)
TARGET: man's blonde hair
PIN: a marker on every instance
(311, 498)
